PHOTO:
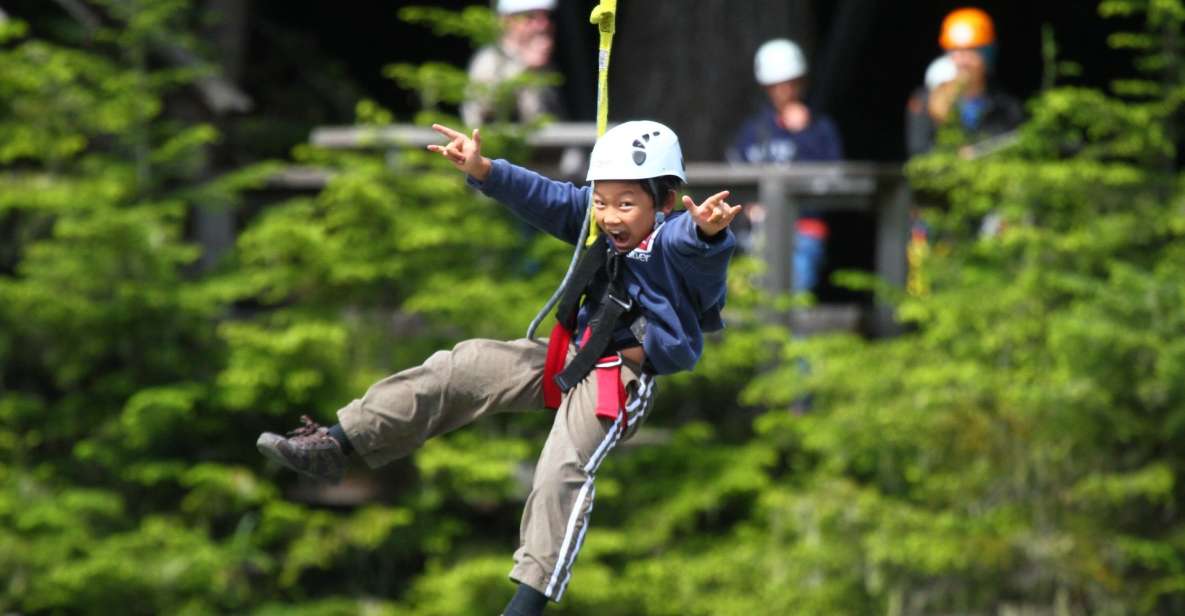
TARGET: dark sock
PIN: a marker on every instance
(526, 602)
(339, 435)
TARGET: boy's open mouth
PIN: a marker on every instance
(620, 238)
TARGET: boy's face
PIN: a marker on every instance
(625, 212)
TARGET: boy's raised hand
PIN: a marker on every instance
(463, 152)
(714, 215)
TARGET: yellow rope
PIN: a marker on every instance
(604, 16)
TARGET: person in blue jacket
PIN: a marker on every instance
(640, 300)
(786, 131)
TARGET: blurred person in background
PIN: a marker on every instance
(970, 100)
(526, 46)
(939, 72)
(784, 131)
(919, 126)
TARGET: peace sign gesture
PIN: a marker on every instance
(714, 215)
(463, 152)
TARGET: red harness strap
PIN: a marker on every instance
(610, 391)
(557, 354)
(611, 394)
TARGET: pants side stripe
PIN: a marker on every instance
(566, 551)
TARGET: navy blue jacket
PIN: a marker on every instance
(763, 140)
(677, 277)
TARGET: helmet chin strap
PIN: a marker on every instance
(659, 217)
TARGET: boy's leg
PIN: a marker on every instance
(526, 602)
(397, 414)
(557, 512)
(449, 390)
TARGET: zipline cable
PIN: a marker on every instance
(604, 16)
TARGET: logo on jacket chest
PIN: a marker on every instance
(772, 151)
(645, 247)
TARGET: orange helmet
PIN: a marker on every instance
(965, 28)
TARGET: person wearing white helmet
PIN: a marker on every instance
(637, 306)
(919, 127)
(940, 70)
(497, 71)
(786, 131)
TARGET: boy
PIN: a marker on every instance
(651, 284)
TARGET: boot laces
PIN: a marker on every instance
(310, 428)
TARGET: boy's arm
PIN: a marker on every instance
(555, 207)
(702, 244)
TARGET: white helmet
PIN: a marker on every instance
(777, 61)
(636, 151)
(509, 7)
(940, 71)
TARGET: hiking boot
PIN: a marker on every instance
(308, 450)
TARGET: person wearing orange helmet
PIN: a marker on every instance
(969, 100)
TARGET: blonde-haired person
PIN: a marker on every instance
(526, 45)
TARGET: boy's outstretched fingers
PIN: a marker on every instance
(463, 151)
(447, 152)
(446, 131)
(714, 215)
(459, 148)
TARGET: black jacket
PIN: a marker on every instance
(1001, 114)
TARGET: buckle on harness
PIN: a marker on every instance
(610, 361)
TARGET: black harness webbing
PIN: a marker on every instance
(614, 305)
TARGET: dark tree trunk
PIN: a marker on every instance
(214, 223)
(690, 64)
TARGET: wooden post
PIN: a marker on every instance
(892, 239)
(781, 216)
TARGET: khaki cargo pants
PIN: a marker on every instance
(481, 377)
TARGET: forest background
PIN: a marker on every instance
(1014, 451)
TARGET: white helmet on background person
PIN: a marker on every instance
(636, 150)
(941, 70)
(509, 7)
(777, 61)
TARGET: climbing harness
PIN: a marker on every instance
(593, 262)
(598, 332)
(600, 265)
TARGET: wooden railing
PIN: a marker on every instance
(556, 135)
(876, 188)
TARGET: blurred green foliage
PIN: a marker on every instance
(1015, 451)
